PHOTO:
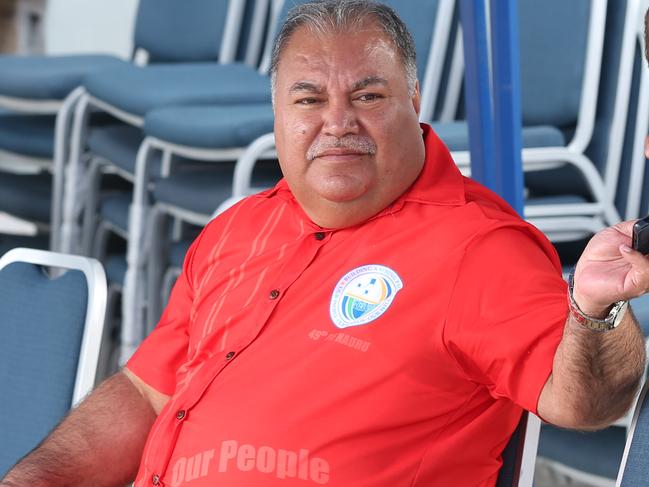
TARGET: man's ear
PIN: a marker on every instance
(416, 98)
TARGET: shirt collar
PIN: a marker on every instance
(439, 182)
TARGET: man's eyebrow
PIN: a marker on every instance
(305, 86)
(369, 81)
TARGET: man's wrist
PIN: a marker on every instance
(602, 318)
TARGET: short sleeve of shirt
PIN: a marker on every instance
(158, 358)
(507, 314)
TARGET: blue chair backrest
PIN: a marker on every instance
(634, 470)
(41, 331)
(418, 15)
(181, 30)
(554, 36)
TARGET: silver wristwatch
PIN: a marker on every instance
(613, 319)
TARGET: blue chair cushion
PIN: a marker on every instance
(119, 144)
(28, 135)
(456, 136)
(566, 179)
(49, 77)
(114, 206)
(26, 196)
(138, 90)
(115, 267)
(598, 452)
(212, 127)
(39, 352)
(203, 189)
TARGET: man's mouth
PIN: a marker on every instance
(345, 148)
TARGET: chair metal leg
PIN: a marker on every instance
(74, 177)
(156, 264)
(91, 205)
(61, 138)
(134, 295)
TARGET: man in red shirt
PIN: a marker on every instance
(375, 319)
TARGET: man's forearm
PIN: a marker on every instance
(596, 374)
(98, 444)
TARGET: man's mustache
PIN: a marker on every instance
(355, 143)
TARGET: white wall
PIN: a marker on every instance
(85, 26)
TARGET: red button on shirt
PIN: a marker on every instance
(399, 351)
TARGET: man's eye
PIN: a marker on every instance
(368, 97)
(307, 101)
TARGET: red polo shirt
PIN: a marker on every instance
(398, 352)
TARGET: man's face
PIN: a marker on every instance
(346, 127)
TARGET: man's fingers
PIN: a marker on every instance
(639, 267)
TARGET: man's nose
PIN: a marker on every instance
(340, 119)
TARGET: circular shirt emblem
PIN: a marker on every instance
(363, 294)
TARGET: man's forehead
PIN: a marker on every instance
(368, 36)
(367, 59)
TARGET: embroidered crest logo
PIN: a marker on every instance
(363, 294)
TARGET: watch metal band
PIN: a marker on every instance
(610, 322)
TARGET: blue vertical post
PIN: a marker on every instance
(493, 97)
(507, 102)
(478, 91)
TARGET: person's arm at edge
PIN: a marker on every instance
(595, 375)
(99, 443)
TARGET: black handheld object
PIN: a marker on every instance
(641, 235)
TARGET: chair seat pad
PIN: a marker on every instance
(26, 196)
(203, 189)
(49, 77)
(114, 206)
(119, 144)
(456, 136)
(598, 452)
(138, 90)
(211, 127)
(27, 135)
(115, 267)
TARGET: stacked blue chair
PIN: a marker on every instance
(36, 89)
(113, 148)
(48, 353)
(33, 90)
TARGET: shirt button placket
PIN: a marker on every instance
(274, 294)
(180, 415)
(155, 479)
